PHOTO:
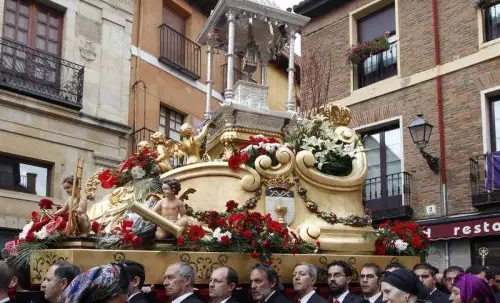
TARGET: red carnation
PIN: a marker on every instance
(234, 161)
(221, 222)
(225, 240)
(254, 254)
(247, 234)
(57, 224)
(286, 245)
(380, 247)
(274, 226)
(231, 205)
(235, 219)
(34, 216)
(265, 244)
(269, 262)
(95, 226)
(107, 179)
(262, 151)
(195, 233)
(30, 237)
(244, 158)
(180, 240)
(45, 203)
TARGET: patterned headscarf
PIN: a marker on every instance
(96, 284)
(472, 287)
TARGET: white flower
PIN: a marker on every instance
(25, 230)
(401, 245)
(259, 136)
(218, 234)
(137, 172)
(42, 234)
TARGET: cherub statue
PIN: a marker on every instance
(80, 207)
(162, 162)
(142, 145)
(170, 207)
(192, 143)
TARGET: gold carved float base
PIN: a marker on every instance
(155, 262)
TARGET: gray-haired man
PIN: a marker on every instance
(179, 283)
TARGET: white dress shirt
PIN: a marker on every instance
(180, 298)
(306, 298)
(5, 300)
(342, 296)
(270, 295)
(374, 298)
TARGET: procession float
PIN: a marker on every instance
(253, 185)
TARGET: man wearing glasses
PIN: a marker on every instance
(223, 282)
(370, 282)
(339, 277)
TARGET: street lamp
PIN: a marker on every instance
(420, 131)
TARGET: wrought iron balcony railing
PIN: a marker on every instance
(492, 22)
(237, 75)
(378, 67)
(41, 75)
(387, 192)
(485, 180)
(143, 134)
(179, 52)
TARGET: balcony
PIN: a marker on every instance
(388, 197)
(492, 22)
(378, 67)
(237, 76)
(41, 75)
(143, 134)
(179, 52)
(485, 180)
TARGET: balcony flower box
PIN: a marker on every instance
(358, 53)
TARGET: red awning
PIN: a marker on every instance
(465, 229)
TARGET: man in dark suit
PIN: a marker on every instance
(58, 278)
(339, 277)
(369, 280)
(265, 285)
(223, 282)
(136, 275)
(427, 275)
(5, 278)
(304, 278)
(179, 283)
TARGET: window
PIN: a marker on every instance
(24, 175)
(378, 66)
(38, 27)
(170, 123)
(495, 123)
(492, 22)
(384, 181)
(33, 25)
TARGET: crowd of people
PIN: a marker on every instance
(124, 282)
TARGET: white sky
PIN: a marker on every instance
(284, 4)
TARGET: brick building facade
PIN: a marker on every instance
(443, 62)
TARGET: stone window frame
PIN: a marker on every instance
(481, 30)
(6, 158)
(359, 13)
(486, 96)
(384, 124)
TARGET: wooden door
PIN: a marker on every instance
(174, 35)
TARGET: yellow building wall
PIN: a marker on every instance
(277, 80)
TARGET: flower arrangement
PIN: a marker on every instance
(401, 238)
(485, 3)
(256, 146)
(239, 230)
(138, 166)
(333, 154)
(357, 53)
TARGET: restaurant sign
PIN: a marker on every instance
(465, 229)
